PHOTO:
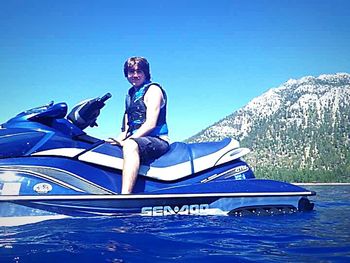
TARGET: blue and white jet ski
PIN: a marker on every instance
(49, 167)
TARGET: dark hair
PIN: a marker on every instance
(142, 64)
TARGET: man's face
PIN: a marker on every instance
(136, 76)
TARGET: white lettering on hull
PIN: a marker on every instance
(174, 210)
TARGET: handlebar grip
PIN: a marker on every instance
(105, 97)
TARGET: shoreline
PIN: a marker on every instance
(321, 183)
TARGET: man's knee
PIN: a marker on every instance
(130, 147)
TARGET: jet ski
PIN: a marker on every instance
(50, 167)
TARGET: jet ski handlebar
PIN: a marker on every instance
(106, 97)
(86, 112)
(53, 115)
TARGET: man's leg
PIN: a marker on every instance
(131, 165)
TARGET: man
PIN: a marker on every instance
(144, 134)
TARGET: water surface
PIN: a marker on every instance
(322, 235)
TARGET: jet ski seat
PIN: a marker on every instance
(180, 152)
(180, 161)
(185, 159)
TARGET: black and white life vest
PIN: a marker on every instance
(136, 109)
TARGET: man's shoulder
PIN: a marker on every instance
(154, 85)
(155, 88)
(155, 93)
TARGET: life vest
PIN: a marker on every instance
(135, 108)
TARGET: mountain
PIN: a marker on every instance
(299, 131)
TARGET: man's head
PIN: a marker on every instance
(137, 63)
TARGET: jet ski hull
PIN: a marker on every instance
(155, 204)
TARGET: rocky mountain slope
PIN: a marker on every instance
(299, 131)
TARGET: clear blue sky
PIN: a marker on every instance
(212, 57)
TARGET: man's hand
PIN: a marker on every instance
(115, 142)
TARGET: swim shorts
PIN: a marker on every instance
(151, 148)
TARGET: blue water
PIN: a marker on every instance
(319, 236)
